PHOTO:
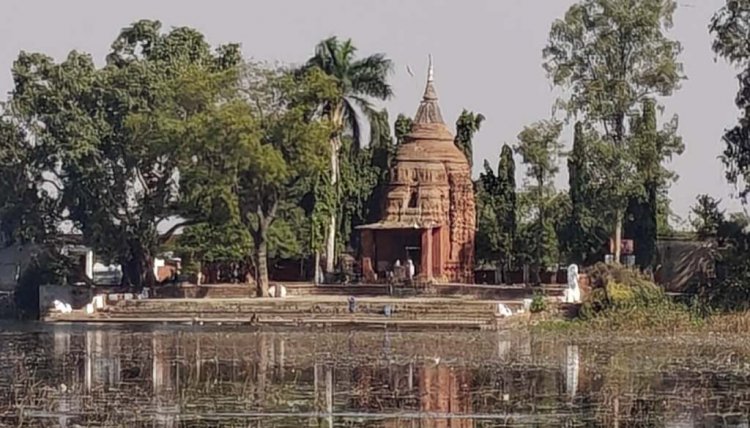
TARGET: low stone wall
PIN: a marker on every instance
(212, 291)
(490, 292)
(230, 291)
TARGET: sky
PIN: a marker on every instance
(487, 56)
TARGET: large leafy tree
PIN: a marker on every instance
(359, 81)
(731, 29)
(119, 180)
(467, 125)
(252, 155)
(539, 148)
(496, 196)
(609, 56)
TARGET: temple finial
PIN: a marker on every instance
(429, 111)
(430, 70)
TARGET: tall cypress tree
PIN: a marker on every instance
(506, 209)
(579, 179)
(496, 200)
(641, 223)
(587, 230)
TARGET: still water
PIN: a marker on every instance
(147, 376)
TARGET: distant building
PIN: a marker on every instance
(683, 264)
(429, 214)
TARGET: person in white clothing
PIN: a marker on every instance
(410, 268)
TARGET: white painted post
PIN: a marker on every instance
(90, 264)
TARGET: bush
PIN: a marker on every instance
(538, 303)
(626, 298)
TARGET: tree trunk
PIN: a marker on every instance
(331, 236)
(138, 270)
(331, 245)
(618, 235)
(261, 251)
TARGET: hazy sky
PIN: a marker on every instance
(487, 58)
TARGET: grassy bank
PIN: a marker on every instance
(625, 300)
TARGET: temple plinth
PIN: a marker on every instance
(429, 214)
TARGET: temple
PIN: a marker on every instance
(429, 212)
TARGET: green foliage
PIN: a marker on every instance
(381, 153)
(538, 303)
(496, 208)
(467, 125)
(730, 290)
(706, 217)
(28, 209)
(357, 82)
(117, 178)
(539, 148)
(209, 243)
(624, 298)
(609, 56)
(641, 216)
(359, 180)
(586, 232)
(402, 128)
(251, 155)
(730, 27)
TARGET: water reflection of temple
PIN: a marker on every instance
(170, 372)
(392, 381)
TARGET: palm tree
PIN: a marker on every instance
(359, 81)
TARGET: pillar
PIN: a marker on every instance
(425, 268)
(438, 253)
(368, 254)
(90, 264)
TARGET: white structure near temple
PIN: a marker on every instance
(573, 291)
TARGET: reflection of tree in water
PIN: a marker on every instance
(149, 378)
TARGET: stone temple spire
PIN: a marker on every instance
(429, 110)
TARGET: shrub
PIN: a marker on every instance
(538, 303)
(626, 298)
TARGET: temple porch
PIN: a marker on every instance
(384, 244)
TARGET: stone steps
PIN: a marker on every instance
(329, 310)
(284, 306)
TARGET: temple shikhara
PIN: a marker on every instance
(429, 214)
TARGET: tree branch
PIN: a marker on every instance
(166, 236)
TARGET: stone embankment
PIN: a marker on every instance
(447, 308)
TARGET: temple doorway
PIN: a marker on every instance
(415, 254)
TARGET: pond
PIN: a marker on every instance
(161, 376)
